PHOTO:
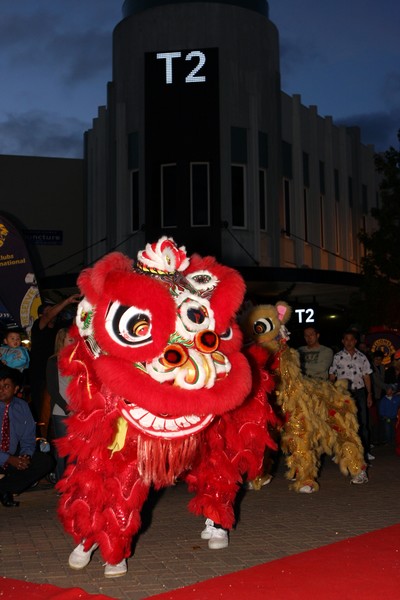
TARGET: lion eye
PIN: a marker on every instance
(227, 335)
(128, 325)
(263, 326)
(194, 316)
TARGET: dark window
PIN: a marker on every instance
(286, 199)
(200, 194)
(322, 210)
(287, 165)
(238, 183)
(262, 187)
(364, 194)
(238, 145)
(306, 170)
(337, 227)
(337, 186)
(168, 196)
(262, 150)
(133, 150)
(305, 208)
(135, 199)
(321, 177)
(350, 188)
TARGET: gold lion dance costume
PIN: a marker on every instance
(319, 417)
(160, 390)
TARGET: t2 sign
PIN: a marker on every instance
(197, 58)
(305, 315)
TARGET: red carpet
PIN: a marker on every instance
(366, 567)
(13, 589)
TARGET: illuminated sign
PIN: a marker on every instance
(305, 315)
(198, 59)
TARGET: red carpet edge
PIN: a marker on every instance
(365, 567)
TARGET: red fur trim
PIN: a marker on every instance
(91, 280)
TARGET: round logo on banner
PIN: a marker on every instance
(29, 308)
(385, 346)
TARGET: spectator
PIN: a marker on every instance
(20, 465)
(56, 386)
(353, 365)
(388, 409)
(12, 354)
(379, 388)
(315, 359)
(43, 335)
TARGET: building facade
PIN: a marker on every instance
(198, 142)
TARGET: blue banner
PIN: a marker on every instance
(19, 293)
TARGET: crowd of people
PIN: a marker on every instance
(32, 403)
(374, 387)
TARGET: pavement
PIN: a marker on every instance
(272, 523)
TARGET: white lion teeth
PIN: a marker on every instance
(193, 419)
(170, 425)
(138, 413)
(164, 426)
(182, 422)
(147, 420)
(159, 424)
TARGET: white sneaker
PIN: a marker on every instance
(219, 539)
(361, 477)
(306, 489)
(116, 570)
(370, 456)
(78, 559)
(208, 530)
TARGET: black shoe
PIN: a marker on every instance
(7, 499)
(52, 478)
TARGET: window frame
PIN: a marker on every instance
(208, 200)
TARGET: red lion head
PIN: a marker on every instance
(160, 336)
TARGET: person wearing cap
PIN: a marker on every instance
(353, 365)
(43, 335)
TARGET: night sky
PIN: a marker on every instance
(55, 62)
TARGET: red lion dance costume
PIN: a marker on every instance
(160, 389)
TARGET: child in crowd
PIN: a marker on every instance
(388, 409)
(12, 354)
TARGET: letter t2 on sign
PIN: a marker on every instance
(193, 76)
(305, 315)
